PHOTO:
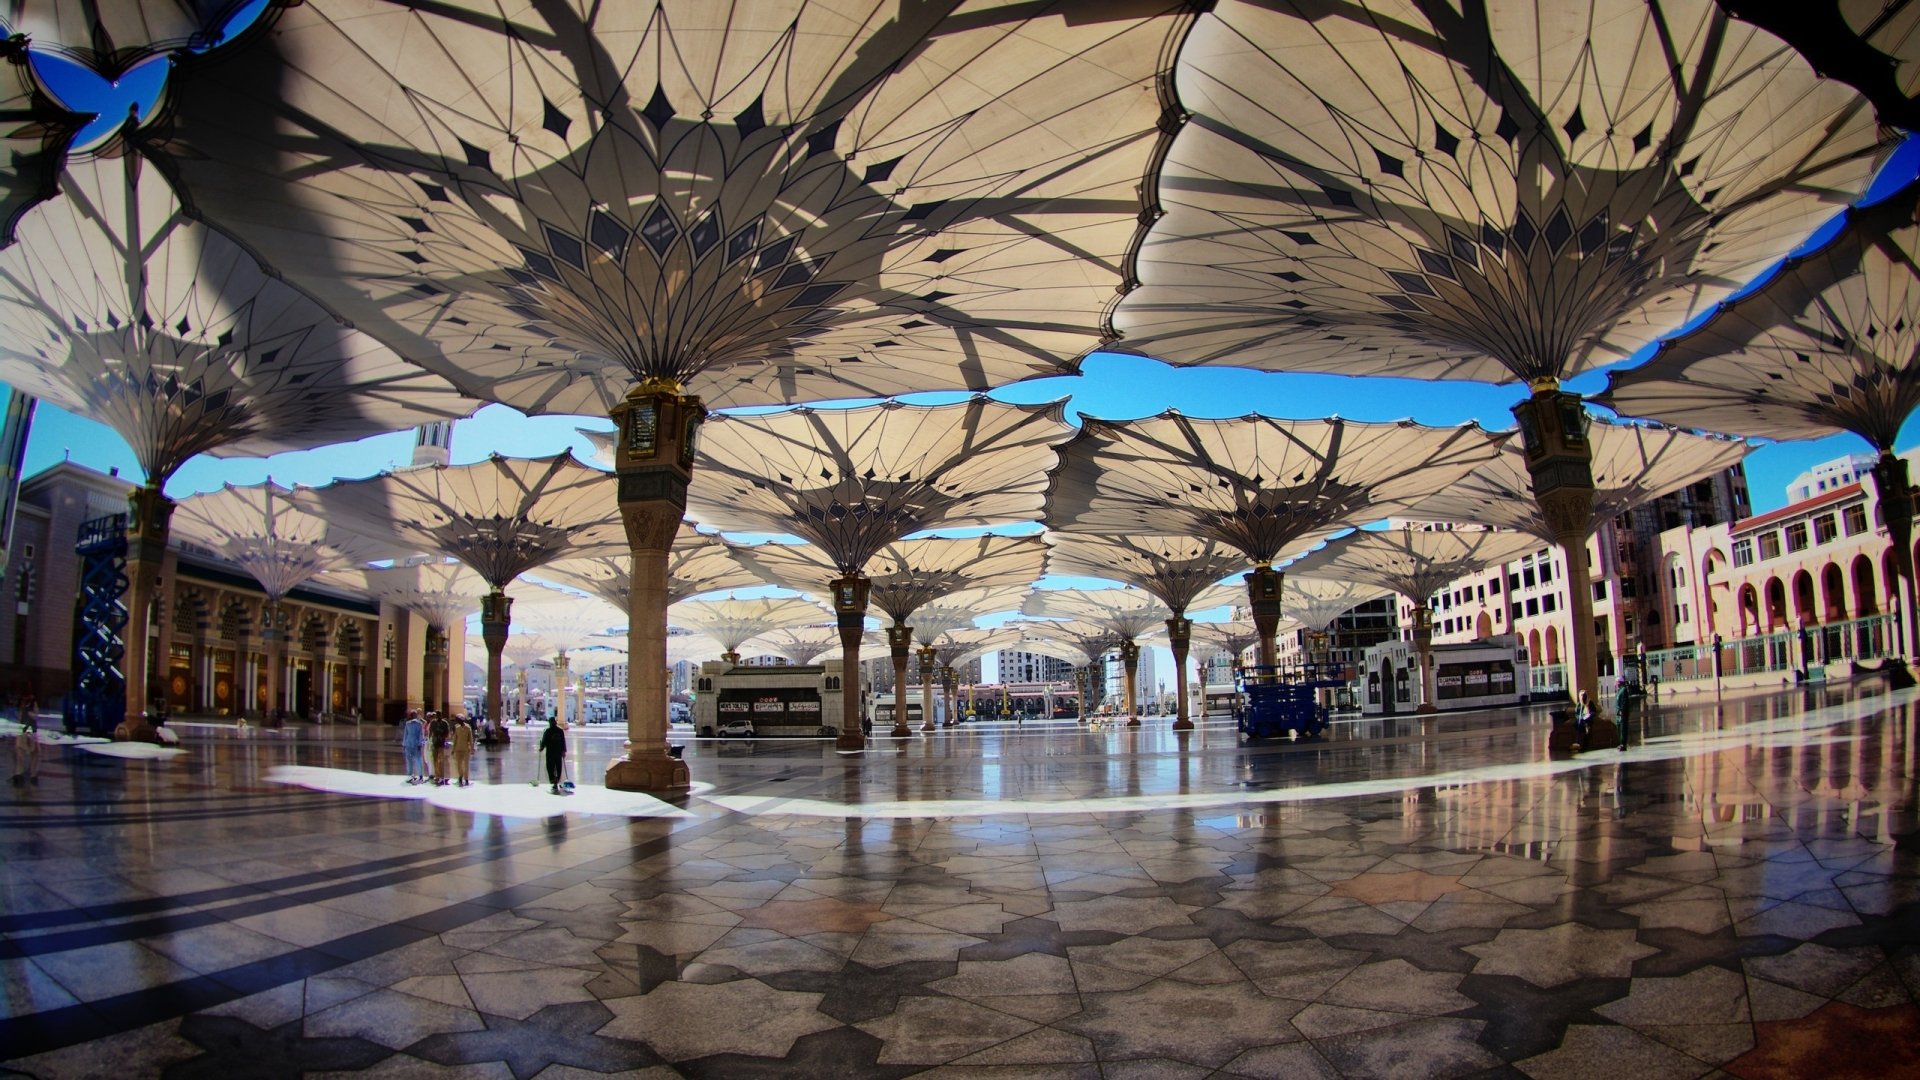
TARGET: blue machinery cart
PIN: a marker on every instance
(1275, 703)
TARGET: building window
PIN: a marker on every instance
(1825, 529)
(1627, 588)
(1856, 519)
(1743, 552)
(1546, 572)
(1493, 585)
(1533, 607)
(1797, 536)
(1549, 602)
(1526, 577)
(1599, 590)
(1769, 545)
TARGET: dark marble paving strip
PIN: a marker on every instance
(202, 812)
(39, 1032)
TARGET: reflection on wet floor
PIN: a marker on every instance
(1429, 896)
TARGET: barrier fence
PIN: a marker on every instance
(1869, 638)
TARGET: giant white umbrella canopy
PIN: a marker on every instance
(854, 480)
(1177, 570)
(627, 208)
(1076, 641)
(34, 140)
(903, 576)
(952, 649)
(1129, 615)
(1265, 487)
(733, 622)
(800, 645)
(442, 592)
(112, 36)
(1824, 346)
(117, 306)
(699, 563)
(1632, 464)
(1535, 191)
(936, 619)
(1319, 600)
(1232, 638)
(1870, 45)
(501, 516)
(1416, 563)
(280, 545)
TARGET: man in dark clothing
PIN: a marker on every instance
(1626, 701)
(553, 742)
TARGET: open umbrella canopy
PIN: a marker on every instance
(261, 530)
(734, 622)
(855, 480)
(1232, 638)
(1414, 562)
(907, 574)
(1177, 570)
(1536, 190)
(1126, 614)
(1632, 464)
(1264, 487)
(1825, 345)
(118, 306)
(699, 563)
(799, 644)
(502, 516)
(35, 132)
(443, 592)
(111, 36)
(964, 609)
(1315, 602)
(801, 200)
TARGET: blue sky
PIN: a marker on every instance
(1112, 385)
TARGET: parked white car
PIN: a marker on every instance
(735, 728)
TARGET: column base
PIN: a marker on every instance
(928, 726)
(850, 741)
(1183, 725)
(135, 729)
(1425, 710)
(654, 775)
(1133, 721)
(901, 731)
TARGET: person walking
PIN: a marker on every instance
(462, 749)
(553, 743)
(26, 751)
(441, 733)
(413, 740)
(1582, 721)
(1626, 702)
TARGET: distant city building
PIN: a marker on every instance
(1020, 666)
(1830, 476)
(1146, 679)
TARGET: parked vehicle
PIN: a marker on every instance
(734, 728)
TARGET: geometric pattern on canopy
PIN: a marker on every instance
(1264, 487)
(111, 36)
(698, 563)
(1231, 638)
(1493, 192)
(801, 645)
(1076, 641)
(907, 574)
(1632, 464)
(1414, 562)
(1825, 345)
(116, 306)
(1316, 603)
(1175, 569)
(261, 530)
(796, 200)
(502, 516)
(855, 480)
(442, 593)
(1127, 614)
(965, 644)
(733, 622)
(561, 614)
(960, 609)
(34, 138)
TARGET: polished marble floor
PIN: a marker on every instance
(1738, 895)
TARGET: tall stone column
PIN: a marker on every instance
(1423, 645)
(1263, 601)
(274, 638)
(1553, 427)
(1130, 668)
(496, 620)
(149, 517)
(1180, 639)
(655, 428)
(950, 684)
(561, 677)
(900, 647)
(433, 665)
(850, 594)
(926, 688)
(1895, 493)
(1200, 678)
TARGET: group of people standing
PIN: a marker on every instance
(439, 750)
(450, 741)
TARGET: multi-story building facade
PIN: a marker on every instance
(1020, 666)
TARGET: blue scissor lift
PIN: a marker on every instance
(1276, 703)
